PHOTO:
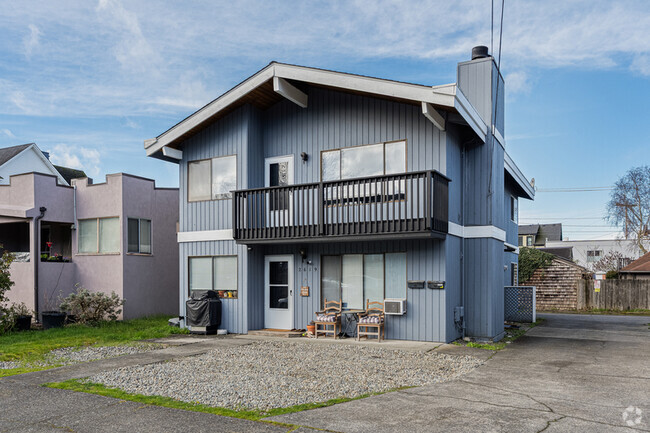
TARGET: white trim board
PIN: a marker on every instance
(473, 232)
(205, 235)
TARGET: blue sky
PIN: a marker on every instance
(90, 80)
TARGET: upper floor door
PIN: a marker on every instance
(278, 172)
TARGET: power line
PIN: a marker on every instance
(580, 189)
(560, 218)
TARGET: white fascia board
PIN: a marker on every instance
(433, 115)
(514, 248)
(519, 177)
(499, 137)
(473, 232)
(205, 235)
(154, 145)
(290, 92)
(471, 116)
(170, 152)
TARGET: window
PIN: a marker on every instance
(521, 241)
(212, 179)
(356, 278)
(594, 255)
(364, 161)
(529, 241)
(139, 236)
(514, 208)
(214, 273)
(99, 235)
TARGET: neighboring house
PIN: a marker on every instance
(587, 253)
(557, 285)
(27, 158)
(303, 184)
(637, 270)
(538, 235)
(114, 236)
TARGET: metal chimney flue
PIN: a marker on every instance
(479, 52)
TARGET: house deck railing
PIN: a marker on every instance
(409, 204)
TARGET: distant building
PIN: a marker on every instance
(586, 253)
(537, 235)
(28, 158)
(637, 270)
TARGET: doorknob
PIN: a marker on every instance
(291, 292)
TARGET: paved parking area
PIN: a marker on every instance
(572, 373)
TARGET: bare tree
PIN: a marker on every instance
(629, 206)
(612, 261)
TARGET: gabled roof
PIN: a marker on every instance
(70, 173)
(642, 264)
(530, 229)
(264, 89)
(550, 232)
(561, 252)
(8, 153)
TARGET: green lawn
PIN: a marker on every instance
(30, 346)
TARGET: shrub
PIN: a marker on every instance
(611, 275)
(7, 314)
(531, 259)
(92, 307)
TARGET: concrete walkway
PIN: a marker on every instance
(573, 373)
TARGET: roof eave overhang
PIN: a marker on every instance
(514, 171)
(447, 96)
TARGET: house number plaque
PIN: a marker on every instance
(304, 291)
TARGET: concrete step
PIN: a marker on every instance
(282, 333)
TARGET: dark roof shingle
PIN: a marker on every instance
(642, 264)
(70, 173)
(7, 153)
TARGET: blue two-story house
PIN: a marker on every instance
(303, 184)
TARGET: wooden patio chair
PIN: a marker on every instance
(373, 318)
(329, 317)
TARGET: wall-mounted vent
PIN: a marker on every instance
(395, 307)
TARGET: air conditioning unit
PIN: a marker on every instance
(395, 307)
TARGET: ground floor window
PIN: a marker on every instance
(356, 278)
(214, 273)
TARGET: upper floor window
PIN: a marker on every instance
(594, 255)
(139, 236)
(212, 179)
(364, 161)
(514, 208)
(99, 235)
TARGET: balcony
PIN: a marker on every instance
(396, 206)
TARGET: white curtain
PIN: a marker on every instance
(198, 187)
(200, 273)
(373, 278)
(145, 236)
(352, 280)
(109, 235)
(225, 273)
(88, 236)
(395, 275)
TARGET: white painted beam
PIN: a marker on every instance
(289, 91)
(170, 152)
(433, 115)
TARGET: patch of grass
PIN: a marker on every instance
(20, 370)
(254, 415)
(511, 335)
(487, 346)
(29, 346)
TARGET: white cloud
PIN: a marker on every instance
(8, 133)
(78, 157)
(31, 41)
(517, 82)
(641, 64)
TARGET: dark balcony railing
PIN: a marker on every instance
(412, 204)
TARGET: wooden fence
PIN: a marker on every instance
(614, 294)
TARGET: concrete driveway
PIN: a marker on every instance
(573, 373)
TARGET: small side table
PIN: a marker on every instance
(352, 317)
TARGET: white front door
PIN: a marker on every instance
(278, 292)
(278, 171)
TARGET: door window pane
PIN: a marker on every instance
(198, 187)
(396, 157)
(373, 278)
(133, 235)
(88, 236)
(279, 272)
(225, 273)
(352, 280)
(362, 161)
(331, 165)
(279, 176)
(279, 297)
(109, 235)
(224, 177)
(395, 275)
(200, 273)
(330, 278)
(145, 236)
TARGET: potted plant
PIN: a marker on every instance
(23, 317)
(311, 328)
(52, 316)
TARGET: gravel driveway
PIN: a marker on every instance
(270, 374)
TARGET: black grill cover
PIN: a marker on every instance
(203, 309)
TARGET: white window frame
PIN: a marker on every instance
(139, 240)
(98, 237)
(594, 256)
(226, 196)
(189, 274)
(384, 143)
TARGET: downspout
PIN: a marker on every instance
(37, 256)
